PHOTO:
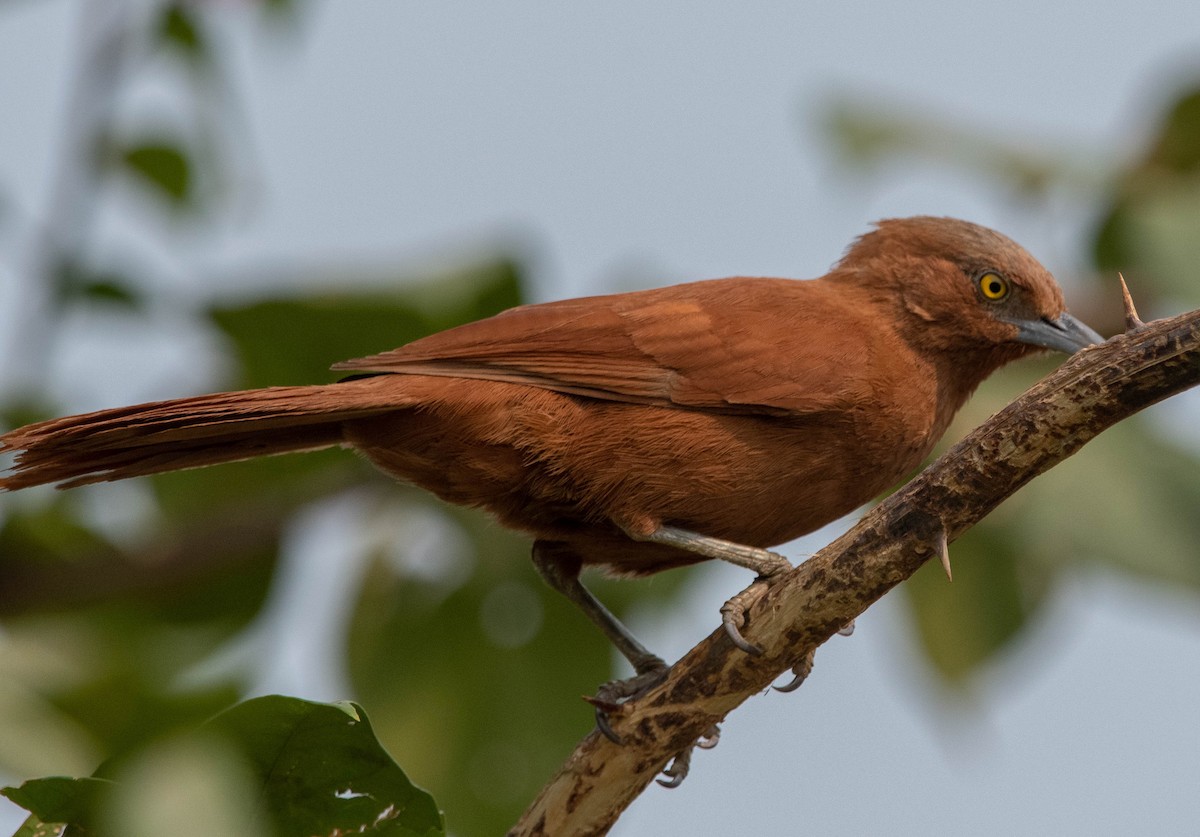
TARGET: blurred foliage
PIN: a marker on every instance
(179, 29)
(281, 341)
(78, 283)
(471, 680)
(59, 800)
(994, 593)
(163, 166)
(1148, 227)
(271, 765)
(115, 600)
(1128, 501)
(868, 135)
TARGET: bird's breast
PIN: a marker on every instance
(754, 479)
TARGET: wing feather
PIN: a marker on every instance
(738, 345)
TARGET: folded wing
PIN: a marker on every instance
(723, 345)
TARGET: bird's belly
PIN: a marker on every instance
(560, 467)
(762, 481)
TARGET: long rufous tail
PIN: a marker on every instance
(190, 432)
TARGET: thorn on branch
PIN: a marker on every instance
(943, 550)
(940, 546)
(1132, 321)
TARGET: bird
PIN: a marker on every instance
(641, 431)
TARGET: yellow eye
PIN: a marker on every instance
(993, 286)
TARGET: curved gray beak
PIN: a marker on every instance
(1065, 334)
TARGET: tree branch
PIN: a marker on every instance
(1092, 391)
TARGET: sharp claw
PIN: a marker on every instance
(792, 686)
(677, 771)
(736, 637)
(710, 739)
(602, 707)
(733, 616)
(675, 781)
(612, 696)
(605, 728)
(801, 669)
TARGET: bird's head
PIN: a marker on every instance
(962, 288)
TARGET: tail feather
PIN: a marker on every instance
(190, 432)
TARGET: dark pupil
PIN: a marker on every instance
(994, 287)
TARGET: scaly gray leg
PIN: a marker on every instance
(559, 567)
(766, 564)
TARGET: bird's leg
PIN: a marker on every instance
(559, 566)
(561, 571)
(762, 561)
(766, 564)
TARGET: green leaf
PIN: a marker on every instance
(33, 827)
(1177, 148)
(22, 408)
(281, 9)
(75, 282)
(48, 535)
(163, 166)
(178, 29)
(322, 771)
(1149, 223)
(313, 768)
(1114, 242)
(112, 291)
(59, 799)
(869, 133)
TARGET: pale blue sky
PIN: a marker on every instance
(622, 144)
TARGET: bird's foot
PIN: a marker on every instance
(614, 694)
(611, 697)
(733, 613)
(677, 770)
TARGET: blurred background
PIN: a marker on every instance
(208, 195)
